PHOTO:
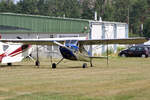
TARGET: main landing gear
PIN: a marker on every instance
(9, 64)
(84, 65)
(37, 63)
(55, 64)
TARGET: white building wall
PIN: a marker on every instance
(106, 30)
(96, 28)
(121, 32)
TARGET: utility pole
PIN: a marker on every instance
(128, 16)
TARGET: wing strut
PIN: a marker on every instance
(107, 54)
(37, 63)
(91, 62)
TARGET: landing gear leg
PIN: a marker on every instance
(54, 64)
(91, 62)
(37, 63)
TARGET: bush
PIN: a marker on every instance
(120, 48)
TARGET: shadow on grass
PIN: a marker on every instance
(16, 66)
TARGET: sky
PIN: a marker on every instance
(15, 1)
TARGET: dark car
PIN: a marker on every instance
(135, 51)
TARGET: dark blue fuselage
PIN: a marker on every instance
(67, 53)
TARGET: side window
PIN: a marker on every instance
(132, 48)
(140, 49)
(5, 47)
(24, 47)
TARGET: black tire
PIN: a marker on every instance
(53, 66)
(9, 64)
(84, 65)
(37, 63)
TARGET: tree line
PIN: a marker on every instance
(134, 12)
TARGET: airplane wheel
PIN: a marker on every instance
(37, 63)
(9, 64)
(84, 65)
(53, 66)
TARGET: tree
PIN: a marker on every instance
(146, 30)
(7, 6)
(27, 6)
(87, 12)
(100, 7)
(121, 10)
(71, 8)
(137, 15)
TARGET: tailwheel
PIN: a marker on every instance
(9, 64)
(53, 66)
(37, 63)
(84, 65)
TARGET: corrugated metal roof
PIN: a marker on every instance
(23, 23)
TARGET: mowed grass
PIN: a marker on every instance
(122, 79)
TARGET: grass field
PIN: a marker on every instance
(122, 79)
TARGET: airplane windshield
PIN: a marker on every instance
(72, 44)
(73, 41)
(67, 42)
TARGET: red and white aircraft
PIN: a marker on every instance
(70, 48)
(13, 52)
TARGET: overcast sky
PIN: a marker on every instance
(15, 1)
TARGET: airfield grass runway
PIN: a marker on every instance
(123, 79)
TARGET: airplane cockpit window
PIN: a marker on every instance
(24, 47)
(5, 47)
(67, 42)
(72, 44)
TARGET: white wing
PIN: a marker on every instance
(81, 41)
(114, 41)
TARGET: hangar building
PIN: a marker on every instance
(31, 26)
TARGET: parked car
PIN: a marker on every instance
(135, 51)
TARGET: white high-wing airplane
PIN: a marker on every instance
(71, 48)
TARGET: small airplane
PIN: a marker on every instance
(14, 52)
(71, 48)
(10, 53)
